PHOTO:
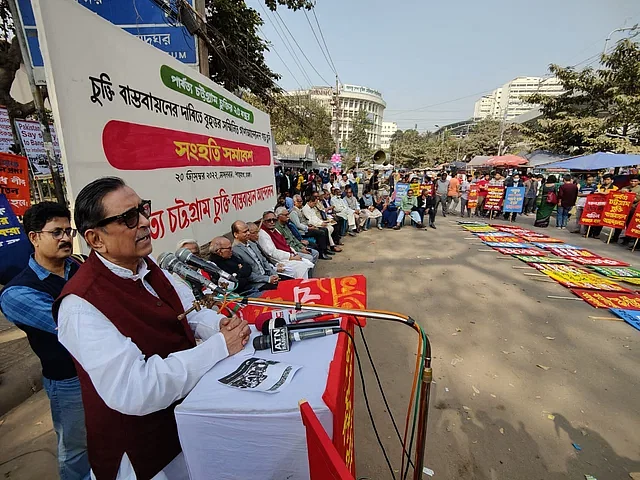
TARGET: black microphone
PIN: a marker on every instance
(211, 268)
(282, 338)
(280, 322)
(168, 261)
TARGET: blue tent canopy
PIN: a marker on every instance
(597, 161)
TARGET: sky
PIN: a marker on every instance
(432, 60)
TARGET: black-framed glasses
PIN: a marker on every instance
(59, 233)
(269, 220)
(131, 217)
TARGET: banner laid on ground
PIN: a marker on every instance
(6, 136)
(528, 258)
(630, 301)
(507, 245)
(124, 108)
(617, 272)
(494, 198)
(472, 203)
(498, 238)
(592, 213)
(600, 261)
(513, 200)
(32, 141)
(14, 182)
(572, 252)
(617, 209)
(520, 251)
(630, 316)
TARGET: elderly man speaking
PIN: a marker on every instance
(118, 318)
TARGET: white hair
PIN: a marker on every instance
(186, 241)
(281, 211)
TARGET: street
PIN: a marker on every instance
(494, 414)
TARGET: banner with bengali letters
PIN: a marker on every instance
(14, 182)
(633, 229)
(593, 208)
(124, 108)
(632, 317)
(513, 200)
(472, 203)
(494, 198)
(520, 251)
(629, 301)
(15, 247)
(575, 277)
(528, 258)
(617, 272)
(617, 209)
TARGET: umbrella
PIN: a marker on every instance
(507, 161)
(597, 161)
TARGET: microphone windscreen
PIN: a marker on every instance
(278, 322)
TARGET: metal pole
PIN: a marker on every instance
(337, 114)
(423, 417)
(38, 102)
(625, 29)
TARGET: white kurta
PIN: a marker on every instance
(296, 268)
(118, 370)
(313, 219)
(343, 211)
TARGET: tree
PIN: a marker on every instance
(358, 143)
(484, 137)
(599, 111)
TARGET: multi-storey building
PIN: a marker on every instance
(388, 129)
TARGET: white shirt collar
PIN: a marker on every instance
(122, 272)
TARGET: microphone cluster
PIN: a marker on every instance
(278, 335)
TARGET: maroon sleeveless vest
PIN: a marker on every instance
(150, 441)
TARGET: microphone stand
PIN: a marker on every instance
(427, 373)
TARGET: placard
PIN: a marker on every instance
(492, 238)
(589, 282)
(494, 198)
(200, 153)
(548, 246)
(400, 191)
(14, 182)
(14, 244)
(542, 239)
(593, 208)
(600, 261)
(565, 268)
(6, 135)
(479, 228)
(472, 202)
(520, 251)
(513, 200)
(507, 245)
(618, 272)
(617, 209)
(538, 259)
(630, 316)
(30, 134)
(629, 301)
(573, 252)
(495, 234)
(633, 229)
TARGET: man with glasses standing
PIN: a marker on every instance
(118, 318)
(27, 301)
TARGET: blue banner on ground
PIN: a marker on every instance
(513, 200)
(632, 317)
(15, 247)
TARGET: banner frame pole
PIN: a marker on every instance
(635, 244)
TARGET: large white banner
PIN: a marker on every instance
(6, 136)
(30, 134)
(124, 108)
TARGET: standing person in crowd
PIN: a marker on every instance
(374, 182)
(465, 186)
(117, 317)
(326, 178)
(482, 183)
(453, 193)
(26, 301)
(221, 253)
(567, 196)
(497, 180)
(276, 248)
(530, 195)
(548, 203)
(367, 202)
(302, 249)
(605, 187)
(513, 181)
(634, 187)
(286, 183)
(426, 205)
(586, 189)
(442, 191)
(408, 206)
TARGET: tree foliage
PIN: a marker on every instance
(599, 111)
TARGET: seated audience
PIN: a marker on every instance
(319, 234)
(276, 248)
(343, 211)
(367, 202)
(282, 226)
(220, 253)
(408, 206)
(361, 213)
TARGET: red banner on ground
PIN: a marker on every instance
(629, 301)
(494, 198)
(633, 229)
(573, 252)
(592, 213)
(617, 209)
(520, 251)
(600, 261)
(472, 203)
(14, 182)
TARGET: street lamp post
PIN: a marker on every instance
(623, 29)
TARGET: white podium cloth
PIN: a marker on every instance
(228, 433)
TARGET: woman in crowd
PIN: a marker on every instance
(549, 200)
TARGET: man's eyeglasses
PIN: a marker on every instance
(269, 220)
(59, 233)
(131, 217)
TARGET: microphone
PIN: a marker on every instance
(211, 268)
(169, 262)
(279, 340)
(280, 322)
(292, 316)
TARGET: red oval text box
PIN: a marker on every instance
(130, 146)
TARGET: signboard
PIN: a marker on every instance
(494, 198)
(629, 301)
(498, 238)
(201, 154)
(617, 271)
(400, 191)
(143, 19)
(548, 246)
(507, 245)
(617, 209)
(513, 200)
(600, 261)
(573, 252)
(30, 134)
(472, 202)
(6, 136)
(521, 251)
(14, 182)
(633, 229)
(593, 208)
(528, 258)
(629, 316)
(14, 245)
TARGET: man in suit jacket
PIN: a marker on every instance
(287, 183)
(264, 276)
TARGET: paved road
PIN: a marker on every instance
(505, 431)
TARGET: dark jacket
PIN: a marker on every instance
(510, 183)
(234, 265)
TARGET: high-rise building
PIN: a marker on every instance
(351, 99)
(509, 101)
(388, 129)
